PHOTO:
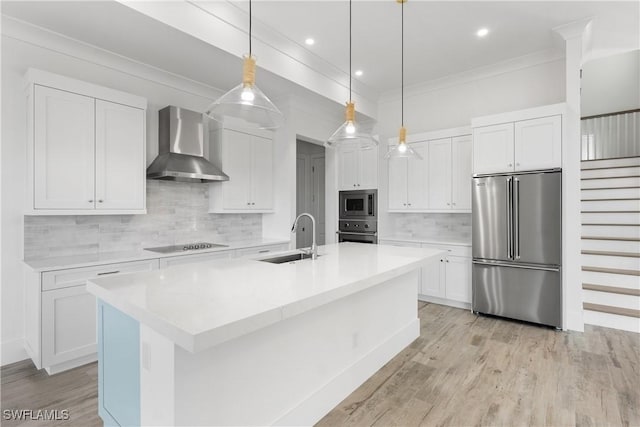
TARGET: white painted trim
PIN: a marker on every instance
(429, 211)
(13, 351)
(320, 402)
(503, 67)
(65, 366)
(435, 134)
(444, 301)
(519, 115)
(45, 212)
(241, 211)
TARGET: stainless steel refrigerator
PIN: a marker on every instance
(517, 246)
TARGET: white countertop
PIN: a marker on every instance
(76, 261)
(431, 240)
(198, 306)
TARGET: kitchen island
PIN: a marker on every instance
(247, 342)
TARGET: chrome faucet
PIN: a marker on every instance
(313, 250)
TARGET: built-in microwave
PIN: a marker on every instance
(358, 204)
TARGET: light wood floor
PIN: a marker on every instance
(463, 370)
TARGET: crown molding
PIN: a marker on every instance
(503, 67)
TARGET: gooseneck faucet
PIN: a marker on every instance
(313, 250)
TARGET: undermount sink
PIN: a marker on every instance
(282, 259)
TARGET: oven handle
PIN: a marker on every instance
(356, 233)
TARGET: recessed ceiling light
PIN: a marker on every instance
(359, 73)
(309, 41)
(482, 32)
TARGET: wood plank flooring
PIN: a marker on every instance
(463, 370)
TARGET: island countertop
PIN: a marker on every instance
(198, 306)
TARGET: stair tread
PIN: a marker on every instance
(611, 253)
(609, 177)
(622, 239)
(612, 270)
(611, 310)
(611, 289)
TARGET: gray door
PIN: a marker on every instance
(533, 294)
(490, 218)
(537, 218)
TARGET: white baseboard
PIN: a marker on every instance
(442, 301)
(342, 385)
(13, 351)
(614, 321)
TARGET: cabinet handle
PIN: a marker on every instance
(409, 204)
(517, 164)
(441, 260)
(447, 260)
(448, 204)
(453, 204)
(253, 203)
(358, 185)
(263, 251)
(91, 201)
(404, 204)
(108, 272)
(100, 201)
(248, 203)
(510, 164)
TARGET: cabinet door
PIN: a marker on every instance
(261, 250)
(418, 178)
(261, 173)
(191, 259)
(120, 171)
(368, 168)
(439, 167)
(461, 172)
(68, 325)
(433, 283)
(236, 161)
(348, 168)
(397, 183)
(493, 149)
(538, 143)
(64, 144)
(458, 279)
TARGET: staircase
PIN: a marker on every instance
(611, 242)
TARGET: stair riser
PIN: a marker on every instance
(611, 163)
(618, 193)
(610, 245)
(619, 262)
(614, 300)
(608, 279)
(611, 205)
(611, 183)
(606, 173)
(611, 218)
(625, 323)
(611, 231)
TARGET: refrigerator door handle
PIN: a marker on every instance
(516, 218)
(509, 218)
(525, 266)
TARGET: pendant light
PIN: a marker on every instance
(351, 133)
(246, 101)
(402, 149)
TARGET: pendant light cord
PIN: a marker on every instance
(402, 66)
(249, 28)
(350, 31)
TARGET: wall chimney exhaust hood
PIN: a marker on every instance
(181, 149)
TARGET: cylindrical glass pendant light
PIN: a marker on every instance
(351, 132)
(246, 101)
(402, 149)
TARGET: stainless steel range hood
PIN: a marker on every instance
(181, 149)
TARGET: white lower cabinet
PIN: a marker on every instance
(446, 279)
(260, 250)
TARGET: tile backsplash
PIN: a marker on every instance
(176, 213)
(454, 226)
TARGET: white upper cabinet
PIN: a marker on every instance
(63, 150)
(86, 150)
(518, 141)
(493, 148)
(439, 167)
(418, 179)
(538, 143)
(120, 172)
(246, 156)
(358, 168)
(461, 171)
(398, 184)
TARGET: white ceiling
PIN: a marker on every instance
(439, 36)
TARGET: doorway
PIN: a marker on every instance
(310, 191)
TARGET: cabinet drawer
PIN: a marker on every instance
(455, 250)
(399, 243)
(260, 250)
(78, 276)
(190, 259)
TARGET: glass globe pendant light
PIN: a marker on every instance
(402, 149)
(350, 132)
(246, 101)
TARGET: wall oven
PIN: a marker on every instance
(358, 204)
(358, 230)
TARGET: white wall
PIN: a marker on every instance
(611, 84)
(456, 101)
